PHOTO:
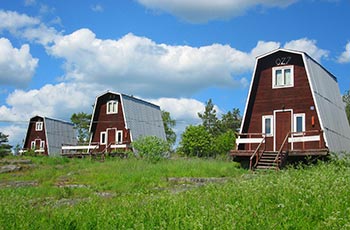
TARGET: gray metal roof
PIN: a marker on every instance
(142, 118)
(57, 133)
(330, 106)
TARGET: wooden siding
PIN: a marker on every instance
(264, 100)
(33, 135)
(108, 122)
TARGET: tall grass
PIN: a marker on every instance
(137, 195)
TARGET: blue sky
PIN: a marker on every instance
(57, 56)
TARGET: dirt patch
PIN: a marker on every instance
(181, 184)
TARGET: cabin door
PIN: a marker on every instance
(283, 125)
(111, 134)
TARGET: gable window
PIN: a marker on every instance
(299, 122)
(103, 138)
(282, 76)
(112, 107)
(39, 126)
(267, 125)
(119, 137)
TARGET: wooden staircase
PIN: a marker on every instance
(267, 160)
(271, 160)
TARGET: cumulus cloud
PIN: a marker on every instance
(345, 56)
(146, 68)
(17, 66)
(29, 28)
(308, 46)
(199, 11)
(15, 133)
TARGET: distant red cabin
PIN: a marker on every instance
(46, 135)
(294, 108)
(119, 119)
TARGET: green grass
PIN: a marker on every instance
(135, 194)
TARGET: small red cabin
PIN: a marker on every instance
(119, 119)
(46, 135)
(294, 108)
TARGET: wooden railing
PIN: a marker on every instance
(250, 138)
(293, 137)
(256, 154)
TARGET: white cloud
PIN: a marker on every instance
(30, 28)
(199, 11)
(345, 56)
(143, 67)
(13, 21)
(308, 46)
(17, 66)
(97, 8)
(16, 133)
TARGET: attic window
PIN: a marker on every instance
(112, 107)
(282, 77)
(39, 126)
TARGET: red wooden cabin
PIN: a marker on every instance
(47, 135)
(118, 120)
(294, 108)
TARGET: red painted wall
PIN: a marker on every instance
(32, 134)
(102, 121)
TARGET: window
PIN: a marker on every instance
(267, 125)
(112, 107)
(119, 137)
(103, 138)
(282, 77)
(32, 145)
(299, 122)
(39, 126)
(42, 144)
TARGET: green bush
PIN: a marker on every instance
(151, 148)
(195, 141)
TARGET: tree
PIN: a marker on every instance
(346, 100)
(195, 141)
(169, 124)
(231, 121)
(81, 123)
(5, 148)
(223, 143)
(209, 120)
(151, 148)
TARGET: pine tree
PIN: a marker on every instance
(5, 148)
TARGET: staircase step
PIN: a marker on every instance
(265, 167)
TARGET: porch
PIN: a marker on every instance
(295, 144)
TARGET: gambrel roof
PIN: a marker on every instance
(57, 132)
(327, 99)
(141, 117)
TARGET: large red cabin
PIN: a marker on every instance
(294, 108)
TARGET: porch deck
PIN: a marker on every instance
(291, 153)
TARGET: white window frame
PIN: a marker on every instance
(296, 115)
(42, 144)
(32, 145)
(104, 133)
(283, 69)
(39, 126)
(113, 104)
(119, 132)
(264, 118)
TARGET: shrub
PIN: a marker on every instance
(195, 141)
(151, 148)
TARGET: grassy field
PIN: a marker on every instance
(59, 193)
